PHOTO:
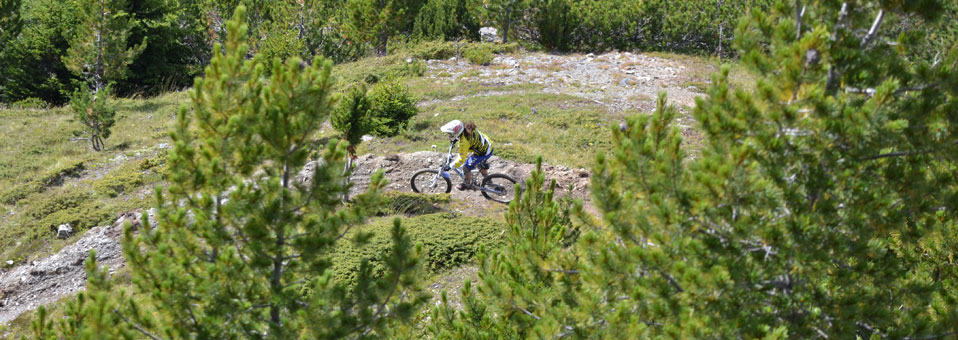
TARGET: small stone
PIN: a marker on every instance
(64, 231)
(9, 262)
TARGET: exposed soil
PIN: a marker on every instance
(399, 169)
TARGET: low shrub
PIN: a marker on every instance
(30, 103)
(391, 107)
(53, 177)
(434, 50)
(479, 54)
(410, 203)
(447, 241)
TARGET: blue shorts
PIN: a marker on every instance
(479, 160)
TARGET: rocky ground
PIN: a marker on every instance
(45, 281)
(620, 81)
(399, 169)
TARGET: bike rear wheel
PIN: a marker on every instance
(499, 187)
(428, 181)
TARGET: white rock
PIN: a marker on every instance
(489, 34)
(64, 231)
(9, 262)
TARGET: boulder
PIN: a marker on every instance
(489, 34)
(133, 217)
(64, 231)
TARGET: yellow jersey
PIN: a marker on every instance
(477, 144)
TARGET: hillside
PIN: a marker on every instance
(558, 106)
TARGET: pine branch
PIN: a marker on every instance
(526, 312)
(903, 153)
(671, 280)
(931, 337)
(136, 326)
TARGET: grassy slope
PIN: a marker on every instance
(36, 146)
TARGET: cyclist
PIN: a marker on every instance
(475, 143)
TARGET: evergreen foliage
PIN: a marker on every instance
(555, 23)
(98, 45)
(95, 111)
(352, 117)
(447, 20)
(242, 249)
(10, 23)
(391, 108)
(506, 14)
(31, 66)
(376, 20)
(822, 204)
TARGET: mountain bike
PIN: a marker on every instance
(496, 187)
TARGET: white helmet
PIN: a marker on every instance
(453, 129)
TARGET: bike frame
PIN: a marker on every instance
(445, 174)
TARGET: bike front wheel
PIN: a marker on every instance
(498, 187)
(429, 181)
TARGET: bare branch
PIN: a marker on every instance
(874, 29)
(527, 312)
(671, 280)
(931, 337)
(136, 326)
(903, 153)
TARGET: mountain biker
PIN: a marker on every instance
(475, 143)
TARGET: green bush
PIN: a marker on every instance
(447, 20)
(409, 203)
(30, 103)
(479, 54)
(555, 23)
(391, 107)
(447, 241)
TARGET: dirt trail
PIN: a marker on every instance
(399, 169)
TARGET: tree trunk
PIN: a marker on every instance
(505, 26)
(381, 40)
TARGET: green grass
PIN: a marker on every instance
(48, 176)
(562, 133)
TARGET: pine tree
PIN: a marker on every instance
(506, 14)
(822, 203)
(98, 48)
(10, 23)
(352, 117)
(98, 52)
(377, 20)
(242, 244)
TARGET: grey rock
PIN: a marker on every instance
(64, 231)
(489, 34)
